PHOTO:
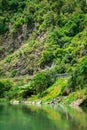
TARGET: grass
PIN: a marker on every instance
(55, 90)
(52, 92)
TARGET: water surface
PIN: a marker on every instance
(21, 117)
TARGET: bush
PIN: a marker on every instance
(68, 58)
(75, 25)
(47, 58)
(54, 36)
(42, 81)
(3, 25)
(13, 4)
(68, 7)
(78, 79)
(8, 59)
(5, 86)
(29, 20)
(13, 73)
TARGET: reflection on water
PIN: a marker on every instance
(20, 117)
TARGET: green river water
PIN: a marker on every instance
(25, 117)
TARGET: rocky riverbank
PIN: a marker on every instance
(54, 101)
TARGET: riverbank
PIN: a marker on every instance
(58, 93)
(80, 102)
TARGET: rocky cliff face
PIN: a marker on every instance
(11, 41)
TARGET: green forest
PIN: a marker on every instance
(43, 51)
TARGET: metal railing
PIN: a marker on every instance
(64, 75)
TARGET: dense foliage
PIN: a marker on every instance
(42, 39)
(5, 86)
(78, 79)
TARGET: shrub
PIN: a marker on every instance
(29, 20)
(5, 86)
(78, 79)
(18, 23)
(68, 58)
(3, 25)
(42, 81)
(47, 58)
(13, 5)
(8, 59)
(54, 36)
(68, 7)
(13, 73)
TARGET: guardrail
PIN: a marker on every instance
(17, 78)
(64, 75)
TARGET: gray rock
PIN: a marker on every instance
(77, 102)
(14, 102)
(39, 102)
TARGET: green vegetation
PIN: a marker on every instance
(79, 94)
(42, 39)
(5, 86)
(55, 90)
(78, 79)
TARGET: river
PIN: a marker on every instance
(25, 117)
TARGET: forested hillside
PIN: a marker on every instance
(43, 39)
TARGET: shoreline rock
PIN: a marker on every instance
(78, 102)
(14, 102)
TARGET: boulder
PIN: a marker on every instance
(66, 91)
(78, 102)
(14, 102)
